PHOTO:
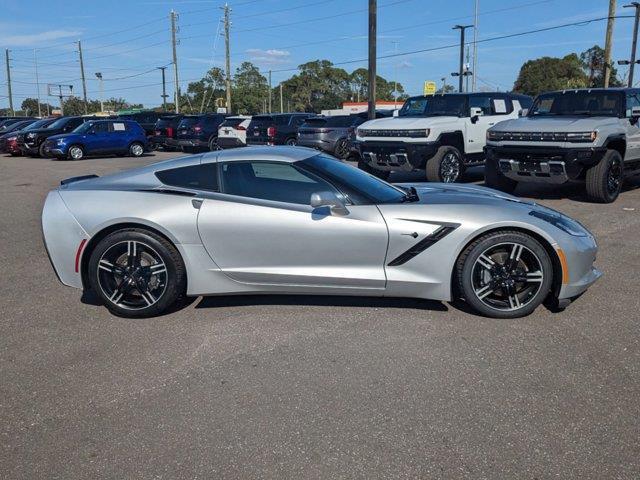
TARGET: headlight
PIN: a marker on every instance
(12, 139)
(561, 221)
(31, 135)
(495, 136)
(582, 136)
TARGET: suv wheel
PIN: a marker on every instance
(136, 149)
(291, 142)
(342, 149)
(75, 152)
(604, 180)
(213, 144)
(493, 177)
(381, 174)
(445, 166)
(41, 150)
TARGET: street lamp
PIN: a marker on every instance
(99, 75)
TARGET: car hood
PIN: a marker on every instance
(453, 194)
(402, 123)
(63, 136)
(557, 124)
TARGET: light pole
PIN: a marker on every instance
(460, 73)
(99, 75)
(634, 43)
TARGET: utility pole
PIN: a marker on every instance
(227, 56)
(84, 82)
(269, 91)
(35, 62)
(466, 73)
(636, 5)
(99, 76)
(475, 45)
(164, 89)
(176, 94)
(281, 104)
(607, 43)
(373, 32)
(395, 75)
(460, 73)
(6, 52)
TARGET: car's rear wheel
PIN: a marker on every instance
(291, 142)
(41, 151)
(504, 274)
(342, 149)
(136, 149)
(445, 166)
(136, 273)
(604, 180)
(381, 174)
(493, 178)
(76, 152)
(213, 144)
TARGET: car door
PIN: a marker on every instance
(261, 230)
(98, 138)
(632, 126)
(495, 108)
(120, 136)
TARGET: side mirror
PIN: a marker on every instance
(328, 199)
(635, 112)
(523, 112)
(474, 113)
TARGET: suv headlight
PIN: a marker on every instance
(586, 137)
(31, 135)
(495, 136)
(558, 220)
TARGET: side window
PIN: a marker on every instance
(281, 120)
(633, 100)
(199, 177)
(101, 127)
(276, 181)
(481, 101)
(72, 124)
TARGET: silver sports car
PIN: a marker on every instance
(291, 220)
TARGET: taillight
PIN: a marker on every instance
(326, 130)
(271, 132)
(241, 127)
(169, 131)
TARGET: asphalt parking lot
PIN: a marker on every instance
(314, 387)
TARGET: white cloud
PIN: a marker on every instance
(270, 57)
(37, 38)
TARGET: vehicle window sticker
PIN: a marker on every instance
(499, 105)
(118, 127)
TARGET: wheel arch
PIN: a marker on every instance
(452, 139)
(106, 230)
(556, 262)
(617, 143)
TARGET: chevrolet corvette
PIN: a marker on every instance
(291, 220)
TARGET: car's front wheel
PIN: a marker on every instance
(76, 152)
(446, 165)
(136, 273)
(504, 274)
(292, 142)
(136, 149)
(213, 144)
(604, 180)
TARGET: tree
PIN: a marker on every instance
(593, 66)
(201, 95)
(319, 85)
(549, 73)
(250, 90)
(446, 89)
(30, 106)
(359, 82)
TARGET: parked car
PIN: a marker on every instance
(98, 137)
(165, 133)
(12, 130)
(147, 119)
(233, 131)
(9, 141)
(440, 134)
(291, 220)
(7, 123)
(199, 132)
(276, 128)
(329, 134)
(32, 142)
(590, 135)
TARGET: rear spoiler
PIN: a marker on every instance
(67, 181)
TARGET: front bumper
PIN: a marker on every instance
(396, 156)
(580, 273)
(544, 164)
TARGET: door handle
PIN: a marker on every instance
(414, 234)
(197, 203)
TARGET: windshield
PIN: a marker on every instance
(433, 106)
(578, 102)
(38, 124)
(187, 122)
(353, 181)
(61, 122)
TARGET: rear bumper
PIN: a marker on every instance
(544, 164)
(316, 143)
(260, 141)
(163, 141)
(230, 142)
(192, 142)
(403, 156)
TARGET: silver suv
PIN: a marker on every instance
(589, 135)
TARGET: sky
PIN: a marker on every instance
(127, 40)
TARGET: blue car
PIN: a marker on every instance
(98, 137)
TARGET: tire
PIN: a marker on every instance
(342, 149)
(513, 292)
(493, 178)
(604, 180)
(292, 142)
(153, 281)
(41, 151)
(213, 144)
(381, 174)
(446, 166)
(76, 152)
(136, 149)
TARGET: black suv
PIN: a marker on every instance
(165, 132)
(276, 129)
(32, 142)
(199, 132)
(146, 119)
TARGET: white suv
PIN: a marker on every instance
(233, 131)
(442, 134)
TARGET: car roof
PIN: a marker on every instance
(267, 153)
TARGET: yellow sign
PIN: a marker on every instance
(430, 88)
